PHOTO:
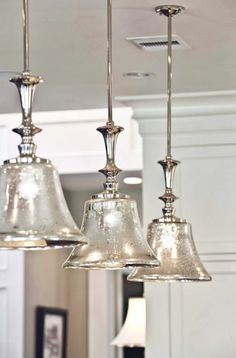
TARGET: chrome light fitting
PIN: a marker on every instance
(33, 211)
(111, 221)
(170, 237)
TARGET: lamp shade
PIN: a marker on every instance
(115, 240)
(33, 211)
(175, 249)
(133, 332)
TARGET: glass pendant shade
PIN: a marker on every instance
(173, 244)
(133, 331)
(33, 211)
(114, 235)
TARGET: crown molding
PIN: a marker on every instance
(71, 116)
(183, 105)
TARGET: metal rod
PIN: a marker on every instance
(25, 15)
(169, 84)
(109, 60)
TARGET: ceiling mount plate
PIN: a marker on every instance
(169, 10)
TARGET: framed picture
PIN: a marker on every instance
(51, 332)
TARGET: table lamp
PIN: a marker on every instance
(133, 331)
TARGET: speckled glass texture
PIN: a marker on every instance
(175, 249)
(114, 234)
(33, 211)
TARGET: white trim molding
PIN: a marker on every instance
(70, 139)
(183, 104)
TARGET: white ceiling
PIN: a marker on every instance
(68, 48)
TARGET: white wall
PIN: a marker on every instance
(194, 320)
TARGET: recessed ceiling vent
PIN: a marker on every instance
(158, 43)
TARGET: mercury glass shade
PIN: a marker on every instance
(33, 211)
(175, 249)
(133, 331)
(114, 235)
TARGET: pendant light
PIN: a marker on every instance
(33, 211)
(111, 223)
(170, 237)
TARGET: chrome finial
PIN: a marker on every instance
(110, 134)
(26, 84)
(168, 166)
(110, 131)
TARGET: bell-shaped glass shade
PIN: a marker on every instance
(175, 249)
(114, 235)
(33, 211)
(133, 332)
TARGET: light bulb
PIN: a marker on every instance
(28, 189)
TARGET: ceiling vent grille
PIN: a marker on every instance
(158, 43)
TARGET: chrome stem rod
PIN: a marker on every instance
(109, 60)
(169, 84)
(169, 11)
(25, 15)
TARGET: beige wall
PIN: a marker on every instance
(47, 284)
(77, 292)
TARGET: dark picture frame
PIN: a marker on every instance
(51, 332)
